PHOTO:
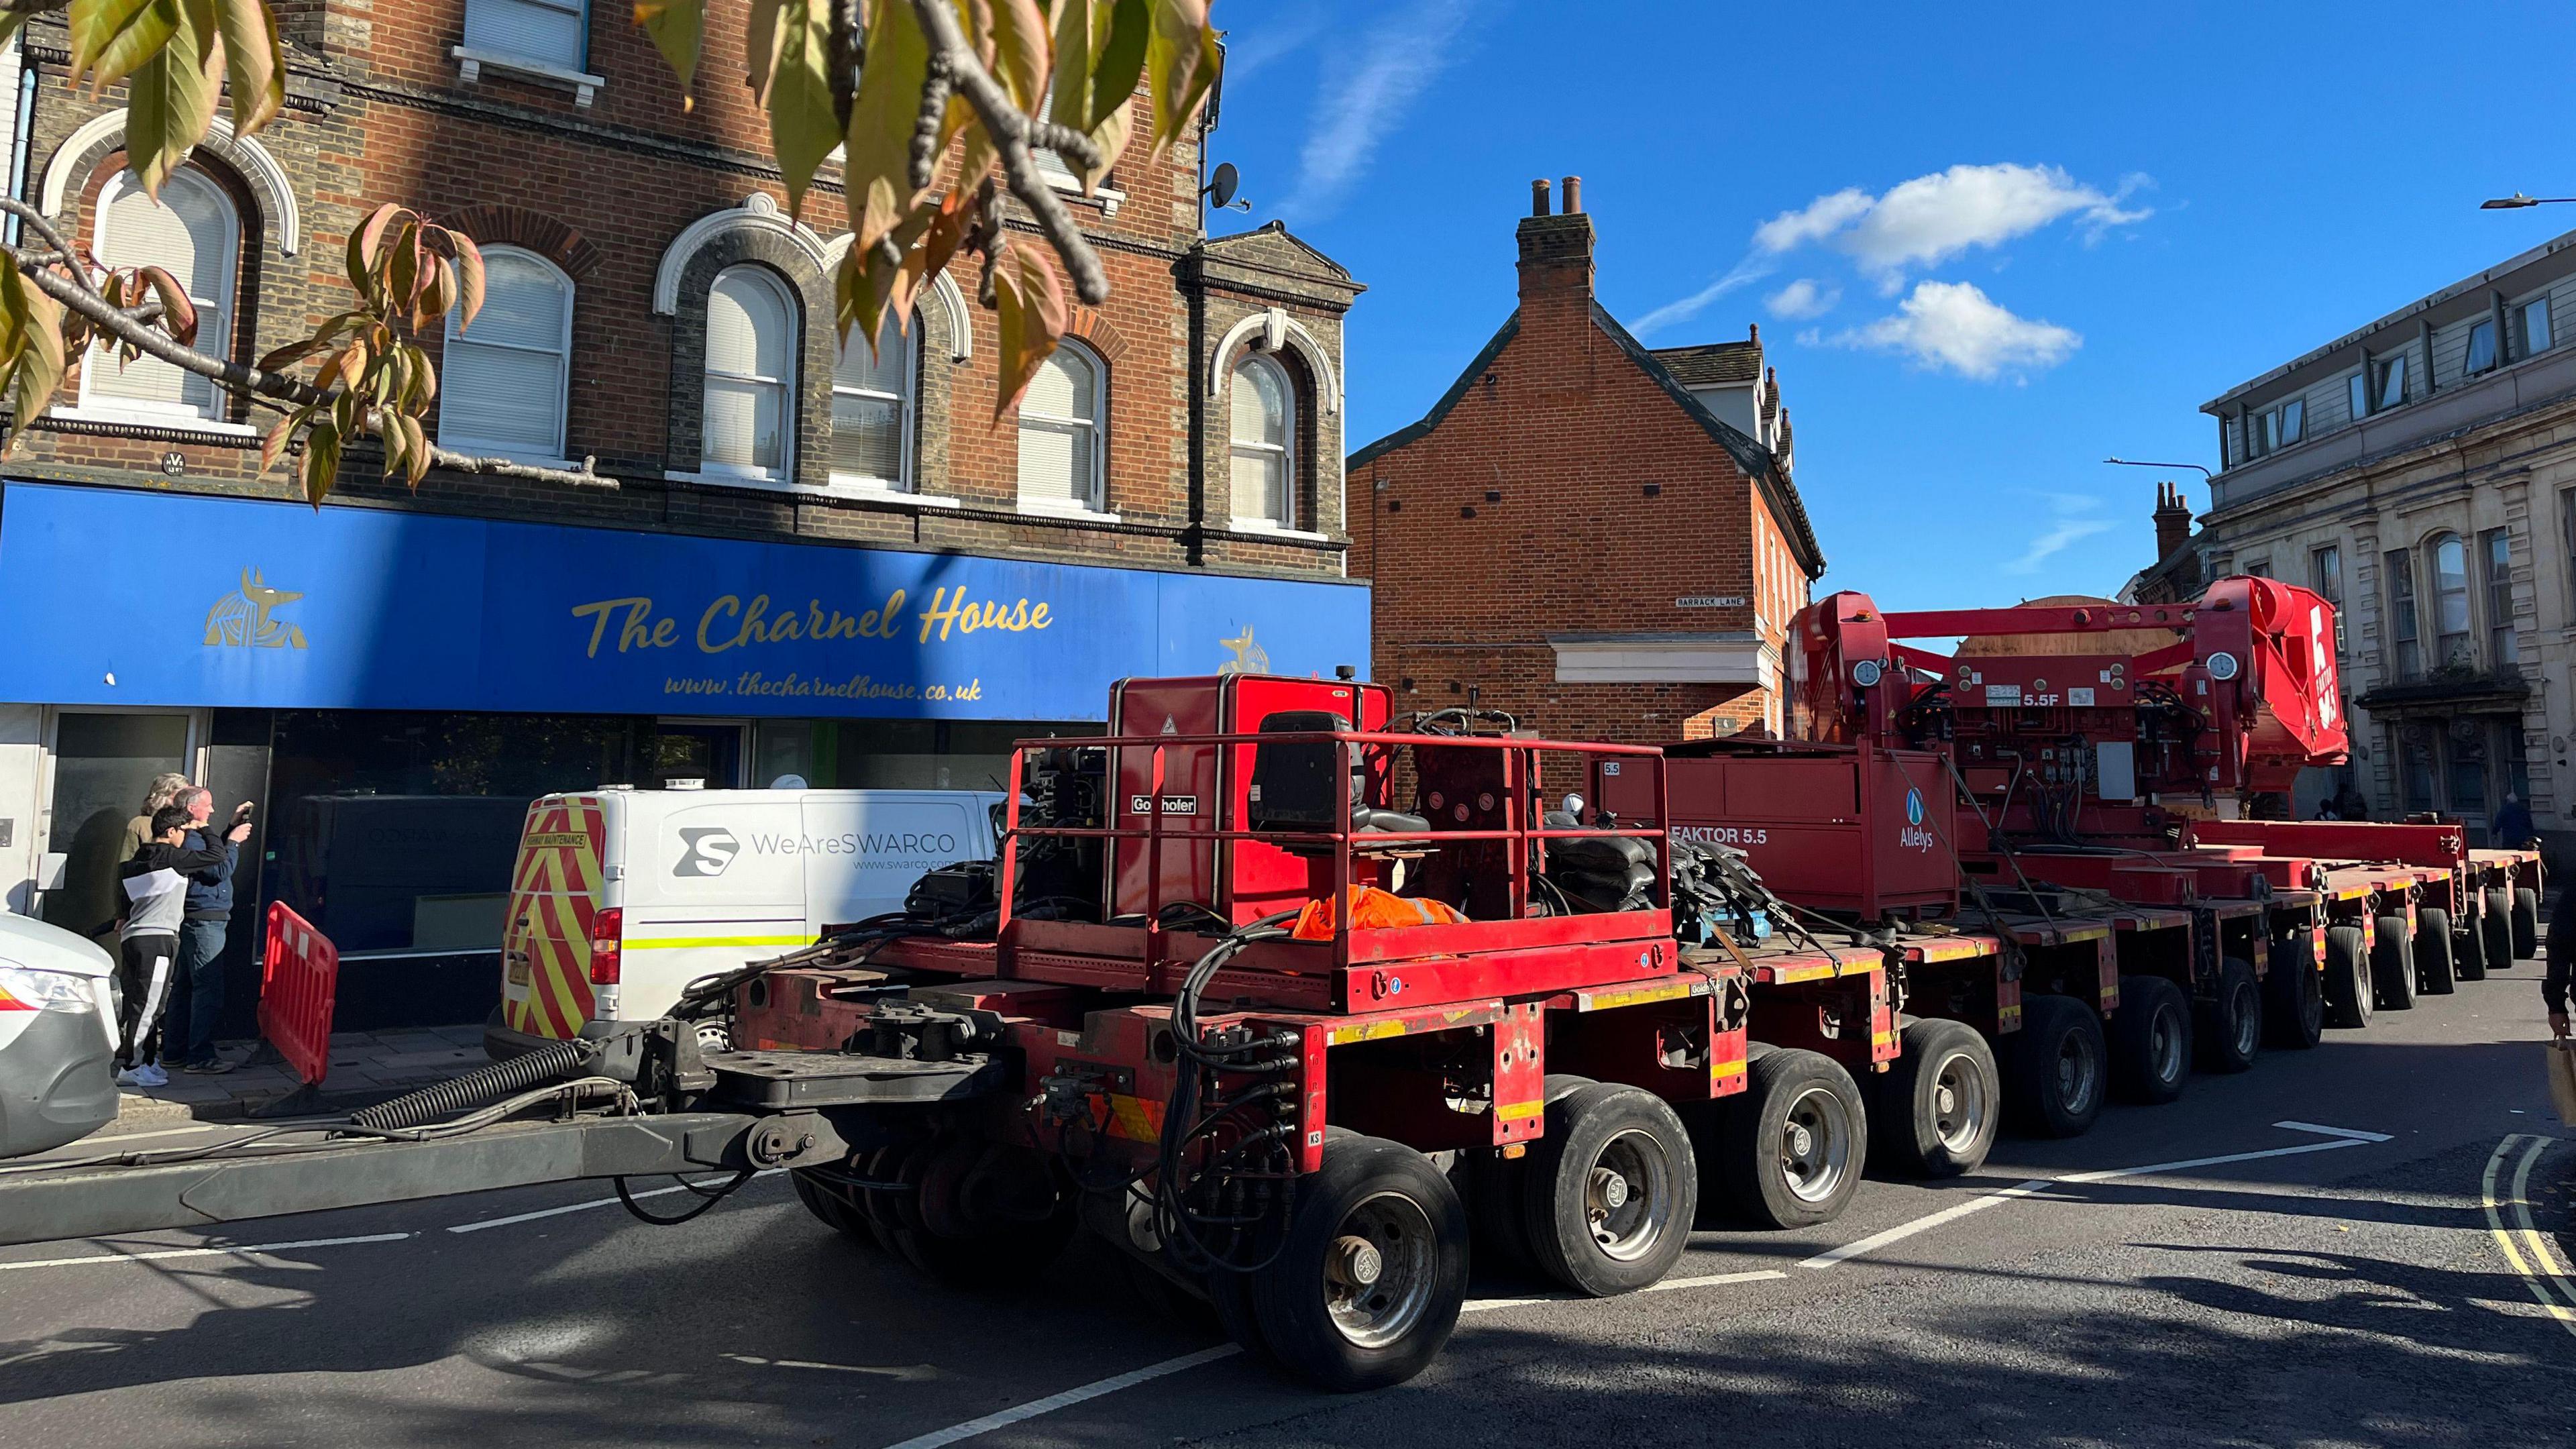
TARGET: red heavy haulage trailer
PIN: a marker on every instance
(1290, 1001)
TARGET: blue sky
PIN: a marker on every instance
(1988, 247)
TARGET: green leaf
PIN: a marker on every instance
(1069, 102)
(415, 446)
(111, 39)
(254, 62)
(877, 168)
(321, 461)
(171, 99)
(31, 345)
(1029, 302)
(803, 128)
(1119, 37)
(1181, 63)
(679, 30)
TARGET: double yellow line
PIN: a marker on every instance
(2525, 1246)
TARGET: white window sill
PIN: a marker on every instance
(879, 493)
(468, 448)
(1263, 528)
(729, 478)
(148, 418)
(1065, 513)
(471, 62)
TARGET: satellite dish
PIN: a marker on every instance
(1221, 185)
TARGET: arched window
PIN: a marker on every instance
(1265, 445)
(872, 401)
(501, 389)
(751, 361)
(1061, 423)
(194, 234)
(2452, 646)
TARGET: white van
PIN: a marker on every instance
(622, 897)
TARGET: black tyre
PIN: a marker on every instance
(2150, 1039)
(2526, 924)
(1934, 1112)
(1367, 1282)
(2230, 1028)
(986, 1252)
(2496, 929)
(1794, 1146)
(1610, 1192)
(2294, 998)
(825, 1202)
(2348, 992)
(2392, 964)
(2468, 945)
(2054, 1067)
(2436, 974)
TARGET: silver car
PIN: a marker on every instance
(57, 1036)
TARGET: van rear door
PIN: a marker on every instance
(554, 896)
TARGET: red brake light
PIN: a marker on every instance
(607, 941)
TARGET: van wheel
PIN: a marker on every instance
(2348, 992)
(2526, 924)
(2498, 928)
(2294, 1000)
(2150, 1038)
(1610, 1190)
(1934, 1112)
(2392, 965)
(2231, 1028)
(2054, 1067)
(2435, 972)
(981, 1214)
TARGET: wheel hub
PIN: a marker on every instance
(1802, 1142)
(1609, 1188)
(1355, 1262)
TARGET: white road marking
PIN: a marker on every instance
(2354, 1133)
(1035, 1408)
(1926, 1223)
(241, 1250)
(2116, 1173)
(114, 1137)
(600, 1202)
(1712, 1280)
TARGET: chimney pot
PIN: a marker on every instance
(1753, 332)
(1573, 195)
(1538, 197)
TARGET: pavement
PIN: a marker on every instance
(366, 1067)
(2324, 1251)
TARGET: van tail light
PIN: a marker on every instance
(607, 946)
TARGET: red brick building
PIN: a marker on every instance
(1601, 538)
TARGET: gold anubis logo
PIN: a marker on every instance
(1249, 658)
(241, 617)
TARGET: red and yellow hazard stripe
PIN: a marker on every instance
(553, 895)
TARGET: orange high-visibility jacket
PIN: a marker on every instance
(1373, 910)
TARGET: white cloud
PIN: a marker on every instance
(1251, 49)
(1954, 325)
(2069, 526)
(1368, 86)
(1750, 270)
(1933, 218)
(1815, 221)
(1802, 299)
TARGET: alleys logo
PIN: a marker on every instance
(706, 852)
(1914, 836)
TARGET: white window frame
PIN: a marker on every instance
(793, 309)
(456, 442)
(907, 411)
(1287, 451)
(210, 418)
(1098, 429)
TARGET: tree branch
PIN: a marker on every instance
(1011, 132)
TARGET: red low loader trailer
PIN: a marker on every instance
(2025, 826)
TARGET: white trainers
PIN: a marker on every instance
(150, 1075)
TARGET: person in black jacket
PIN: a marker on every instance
(2561, 952)
(201, 934)
(155, 886)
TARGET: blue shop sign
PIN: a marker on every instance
(113, 596)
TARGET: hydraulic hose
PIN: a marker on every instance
(547, 1063)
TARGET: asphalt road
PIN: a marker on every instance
(2347, 1290)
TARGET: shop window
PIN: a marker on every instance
(2449, 558)
(2406, 660)
(550, 32)
(501, 388)
(2495, 551)
(1062, 418)
(193, 232)
(751, 356)
(873, 392)
(1264, 445)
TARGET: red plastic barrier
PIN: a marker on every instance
(299, 984)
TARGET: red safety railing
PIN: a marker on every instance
(299, 984)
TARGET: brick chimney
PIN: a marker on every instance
(2173, 520)
(1556, 251)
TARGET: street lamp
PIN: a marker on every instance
(2133, 463)
(2518, 201)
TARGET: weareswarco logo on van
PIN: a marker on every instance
(877, 846)
(706, 851)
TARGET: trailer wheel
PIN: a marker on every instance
(1934, 1112)
(2526, 924)
(2436, 974)
(1610, 1192)
(980, 1214)
(2231, 1027)
(2497, 928)
(1368, 1279)
(2054, 1071)
(2348, 992)
(2392, 965)
(2294, 1003)
(2468, 944)
(1794, 1145)
(826, 1203)
(2150, 1039)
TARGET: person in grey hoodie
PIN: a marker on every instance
(155, 885)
